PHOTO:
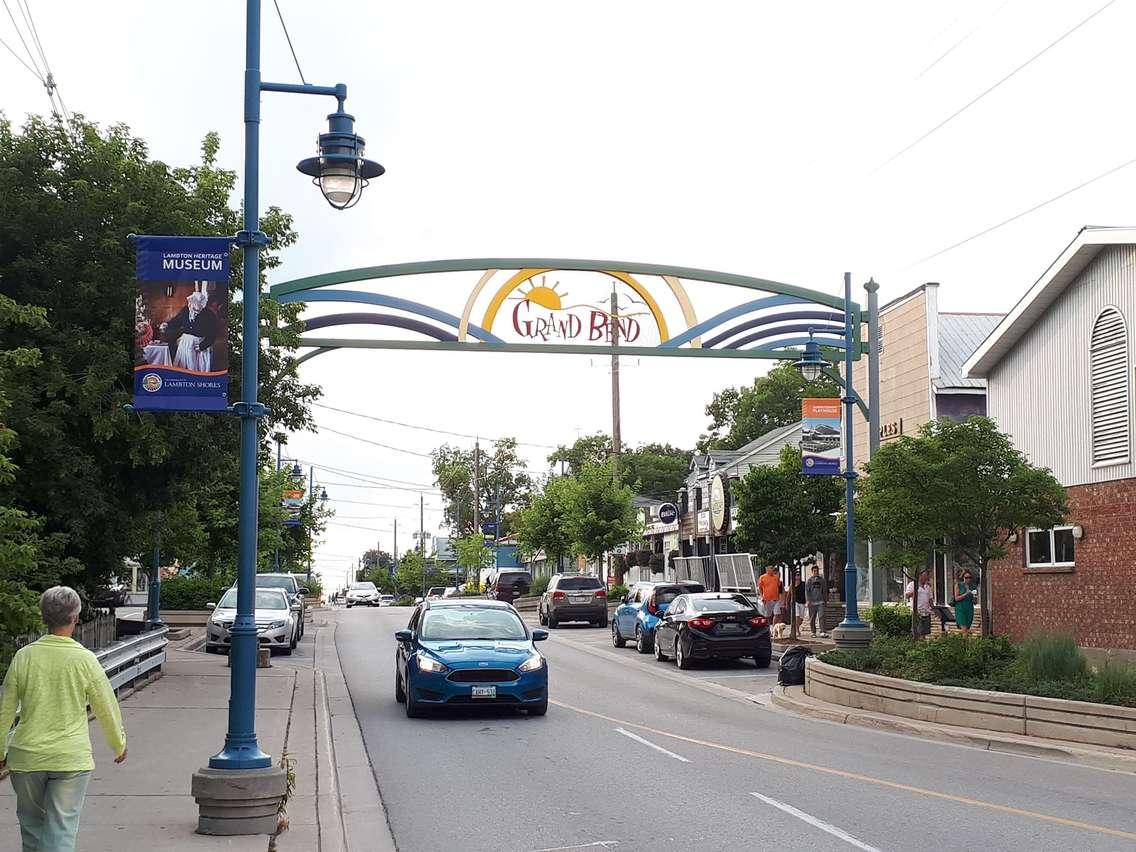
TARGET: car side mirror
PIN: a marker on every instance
(304, 590)
(539, 635)
(404, 635)
(210, 606)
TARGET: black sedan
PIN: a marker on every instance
(713, 626)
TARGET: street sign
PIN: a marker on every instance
(668, 513)
(489, 528)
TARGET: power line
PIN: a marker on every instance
(20, 34)
(364, 477)
(370, 487)
(972, 31)
(975, 100)
(53, 92)
(380, 505)
(280, 15)
(373, 443)
(1017, 216)
(21, 60)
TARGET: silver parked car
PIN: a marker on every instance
(295, 590)
(276, 625)
(362, 594)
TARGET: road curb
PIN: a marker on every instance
(784, 698)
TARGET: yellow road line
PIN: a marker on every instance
(856, 776)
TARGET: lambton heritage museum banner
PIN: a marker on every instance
(820, 437)
(181, 334)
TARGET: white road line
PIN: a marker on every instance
(724, 677)
(599, 844)
(816, 823)
(650, 744)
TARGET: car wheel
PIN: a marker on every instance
(681, 659)
(603, 621)
(552, 622)
(399, 692)
(616, 639)
(538, 709)
(287, 652)
(212, 649)
(413, 711)
(643, 642)
(541, 617)
(659, 655)
(763, 657)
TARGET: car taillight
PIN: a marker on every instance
(651, 608)
(601, 594)
(702, 623)
(558, 595)
(759, 621)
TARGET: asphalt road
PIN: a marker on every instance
(634, 755)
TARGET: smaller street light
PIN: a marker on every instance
(811, 363)
(341, 171)
(323, 495)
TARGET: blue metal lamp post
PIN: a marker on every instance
(851, 632)
(341, 172)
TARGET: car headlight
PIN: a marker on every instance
(275, 625)
(532, 664)
(427, 663)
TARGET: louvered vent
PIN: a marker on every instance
(1108, 356)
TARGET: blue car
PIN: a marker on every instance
(638, 616)
(462, 653)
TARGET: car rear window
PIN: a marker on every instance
(719, 604)
(665, 596)
(264, 581)
(571, 583)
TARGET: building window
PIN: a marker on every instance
(1108, 370)
(697, 499)
(1050, 548)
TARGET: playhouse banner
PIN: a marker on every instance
(820, 437)
(181, 333)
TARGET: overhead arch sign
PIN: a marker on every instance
(575, 306)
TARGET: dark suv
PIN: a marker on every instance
(508, 585)
(573, 597)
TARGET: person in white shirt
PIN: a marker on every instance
(922, 604)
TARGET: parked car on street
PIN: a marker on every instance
(362, 594)
(465, 652)
(508, 584)
(713, 626)
(295, 592)
(386, 600)
(644, 605)
(276, 625)
(573, 597)
(435, 592)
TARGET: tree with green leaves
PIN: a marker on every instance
(410, 576)
(375, 559)
(543, 525)
(652, 470)
(738, 415)
(502, 475)
(601, 513)
(473, 555)
(785, 517)
(964, 483)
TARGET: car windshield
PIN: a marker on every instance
(687, 588)
(267, 582)
(436, 590)
(719, 604)
(264, 600)
(576, 583)
(471, 623)
(363, 587)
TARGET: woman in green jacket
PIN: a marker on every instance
(964, 602)
(51, 682)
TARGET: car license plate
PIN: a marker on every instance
(580, 599)
(485, 692)
(730, 628)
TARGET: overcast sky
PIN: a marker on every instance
(749, 137)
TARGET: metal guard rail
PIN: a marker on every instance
(130, 658)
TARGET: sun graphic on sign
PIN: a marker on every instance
(545, 296)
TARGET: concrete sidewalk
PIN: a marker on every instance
(176, 722)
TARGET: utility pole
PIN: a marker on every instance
(276, 557)
(395, 554)
(422, 541)
(616, 444)
(312, 513)
(476, 487)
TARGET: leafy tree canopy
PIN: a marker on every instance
(601, 513)
(652, 470)
(544, 524)
(501, 473)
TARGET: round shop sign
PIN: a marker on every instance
(151, 382)
(718, 515)
(668, 513)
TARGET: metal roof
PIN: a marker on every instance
(959, 336)
(1045, 291)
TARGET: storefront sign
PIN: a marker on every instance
(668, 513)
(820, 437)
(719, 498)
(891, 430)
(704, 522)
(181, 324)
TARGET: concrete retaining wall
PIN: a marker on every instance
(1053, 718)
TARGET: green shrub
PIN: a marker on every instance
(193, 592)
(888, 620)
(1054, 657)
(957, 658)
(616, 592)
(539, 586)
(405, 600)
(1115, 683)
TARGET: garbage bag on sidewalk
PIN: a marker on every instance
(791, 672)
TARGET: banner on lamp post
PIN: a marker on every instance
(821, 438)
(181, 324)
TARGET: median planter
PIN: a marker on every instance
(1077, 721)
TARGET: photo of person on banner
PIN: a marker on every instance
(182, 325)
(191, 332)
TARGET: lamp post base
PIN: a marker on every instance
(850, 636)
(238, 801)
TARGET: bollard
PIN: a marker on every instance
(263, 658)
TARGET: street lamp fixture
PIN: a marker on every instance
(323, 495)
(341, 171)
(297, 471)
(811, 364)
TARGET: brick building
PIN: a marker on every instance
(1059, 380)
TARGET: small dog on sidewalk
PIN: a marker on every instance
(781, 631)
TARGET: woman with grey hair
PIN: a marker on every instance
(51, 682)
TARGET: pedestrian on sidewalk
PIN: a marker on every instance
(769, 589)
(965, 594)
(51, 682)
(815, 593)
(922, 604)
(799, 601)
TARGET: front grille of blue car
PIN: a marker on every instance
(483, 676)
